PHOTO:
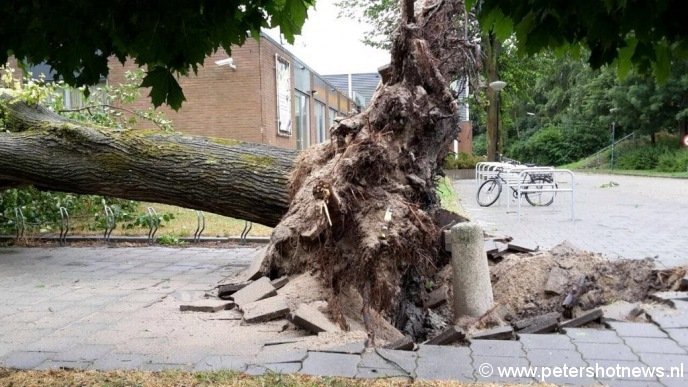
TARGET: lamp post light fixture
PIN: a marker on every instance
(497, 86)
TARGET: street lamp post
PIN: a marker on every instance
(612, 111)
(497, 86)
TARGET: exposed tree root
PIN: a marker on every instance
(362, 205)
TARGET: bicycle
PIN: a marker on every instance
(491, 189)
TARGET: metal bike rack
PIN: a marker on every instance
(20, 222)
(109, 222)
(153, 224)
(64, 226)
(551, 188)
(200, 218)
(247, 228)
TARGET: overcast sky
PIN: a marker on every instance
(330, 45)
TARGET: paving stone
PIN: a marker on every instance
(664, 360)
(556, 281)
(268, 355)
(206, 306)
(654, 345)
(404, 344)
(679, 335)
(670, 296)
(256, 291)
(605, 351)
(279, 283)
(630, 383)
(585, 318)
(628, 329)
(64, 365)
(669, 318)
(551, 342)
(331, 364)
(253, 271)
(84, 352)
(53, 344)
(674, 382)
(312, 320)
(164, 367)
(25, 360)
(277, 368)
(265, 310)
(450, 335)
(225, 291)
(444, 363)
(591, 335)
(497, 348)
(620, 310)
(437, 297)
(355, 348)
(484, 365)
(524, 323)
(118, 361)
(554, 358)
(406, 360)
(222, 362)
(498, 333)
(373, 365)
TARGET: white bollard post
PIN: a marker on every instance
(471, 274)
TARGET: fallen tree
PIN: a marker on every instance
(232, 178)
(361, 210)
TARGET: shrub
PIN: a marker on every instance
(548, 146)
(641, 158)
(673, 161)
(462, 161)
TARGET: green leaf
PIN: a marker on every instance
(164, 88)
(624, 61)
(662, 64)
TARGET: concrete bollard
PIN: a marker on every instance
(471, 274)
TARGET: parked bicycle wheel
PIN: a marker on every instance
(540, 199)
(489, 192)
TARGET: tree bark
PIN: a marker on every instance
(232, 178)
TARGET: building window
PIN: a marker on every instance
(303, 133)
(320, 129)
(331, 117)
(283, 83)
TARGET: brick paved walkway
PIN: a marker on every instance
(641, 217)
(118, 308)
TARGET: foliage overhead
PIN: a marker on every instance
(646, 33)
(76, 37)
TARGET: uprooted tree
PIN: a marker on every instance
(361, 210)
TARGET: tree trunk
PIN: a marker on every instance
(232, 178)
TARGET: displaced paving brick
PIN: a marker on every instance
(270, 355)
(437, 297)
(225, 291)
(450, 335)
(253, 271)
(265, 310)
(279, 283)
(349, 348)
(543, 325)
(585, 318)
(312, 320)
(207, 306)
(523, 247)
(621, 310)
(523, 323)
(498, 333)
(670, 296)
(406, 360)
(556, 281)
(257, 290)
(404, 344)
(554, 358)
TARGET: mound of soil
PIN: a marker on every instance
(519, 281)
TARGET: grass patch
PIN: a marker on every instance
(634, 172)
(60, 378)
(449, 198)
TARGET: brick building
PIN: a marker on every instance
(262, 94)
